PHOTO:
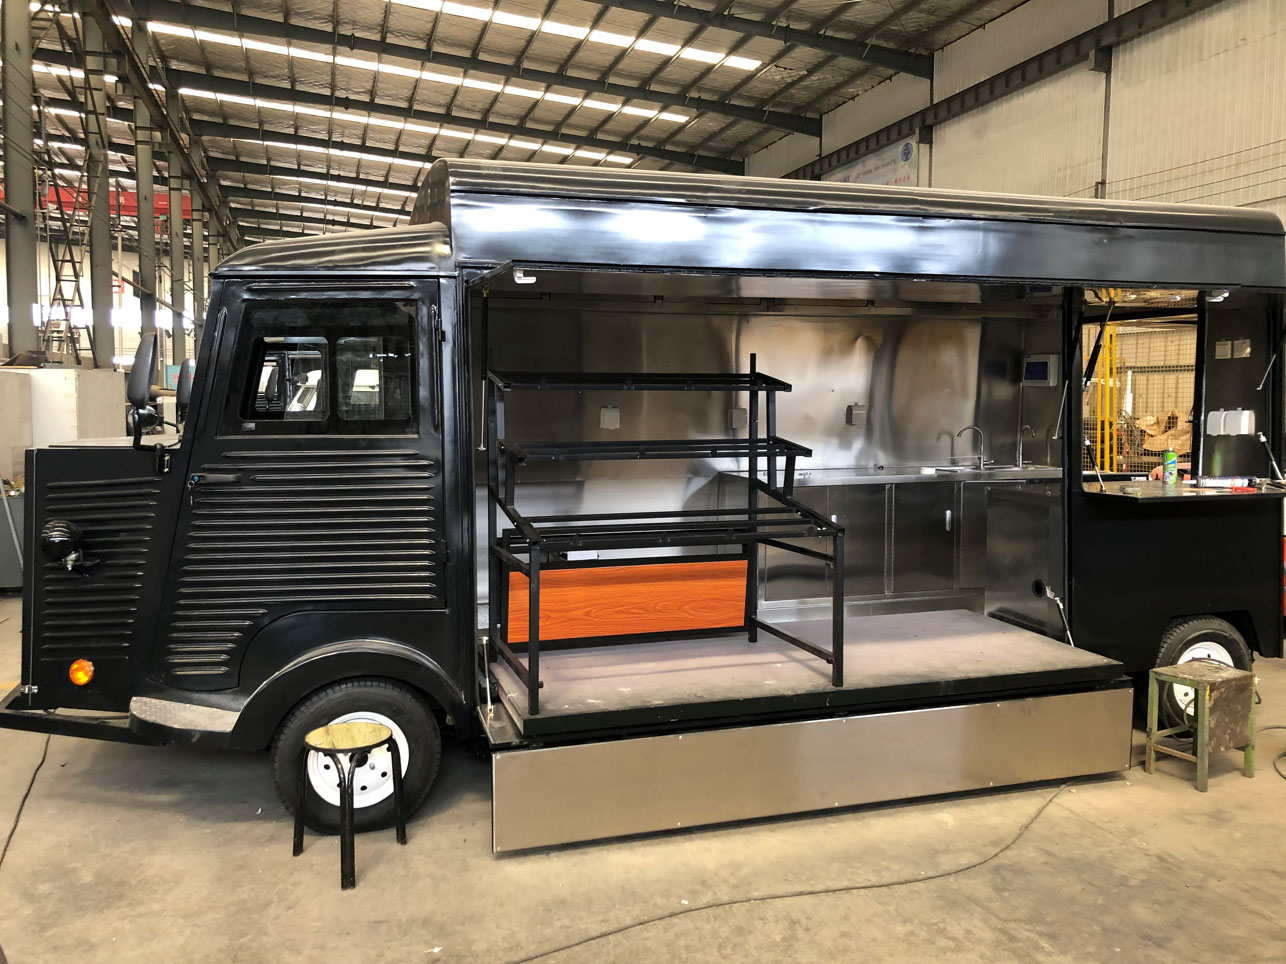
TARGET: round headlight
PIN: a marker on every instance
(60, 539)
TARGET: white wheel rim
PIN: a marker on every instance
(373, 780)
(1202, 649)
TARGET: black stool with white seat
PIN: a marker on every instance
(346, 745)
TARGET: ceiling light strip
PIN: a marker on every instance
(260, 103)
(432, 76)
(572, 31)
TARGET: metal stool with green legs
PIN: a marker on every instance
(1223, 714)
(347, 745)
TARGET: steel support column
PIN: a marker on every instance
(19, 178)
(99, 186)
(198, 271)
(144, 144)
(178, 272)
(178, 286)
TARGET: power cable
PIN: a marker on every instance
(23, 802)
(791, 895)
(1277, 760)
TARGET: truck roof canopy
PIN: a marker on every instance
(488, 213)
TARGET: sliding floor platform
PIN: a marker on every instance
(893, 660)
(658, 736)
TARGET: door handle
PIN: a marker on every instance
(947, 520)
(210, 478)
(214, 478)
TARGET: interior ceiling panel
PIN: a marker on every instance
(557, 81)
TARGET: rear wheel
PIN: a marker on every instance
(414, 728)
(1204, 638)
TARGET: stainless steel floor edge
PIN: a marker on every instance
(593, 791)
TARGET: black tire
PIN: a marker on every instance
(1181, 638)
(402, 706)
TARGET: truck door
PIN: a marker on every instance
(313, 495)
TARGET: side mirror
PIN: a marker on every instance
(183, 389)
(140, 420)
(138, 390)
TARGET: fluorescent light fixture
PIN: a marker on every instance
(467, 10)
(705, 56)
(613, 39)
(657, 47)
(515, 20)
(564, 29)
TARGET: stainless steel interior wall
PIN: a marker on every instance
(874, 384)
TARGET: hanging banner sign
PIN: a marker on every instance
(897, 164)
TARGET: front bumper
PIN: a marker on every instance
(115, 728)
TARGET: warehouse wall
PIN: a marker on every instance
(1198, 112)
(1195, 112)
(1046, 139)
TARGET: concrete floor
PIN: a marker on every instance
(174, 854)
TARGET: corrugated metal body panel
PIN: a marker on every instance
(1046, 139)
(1011, 39)
(347, 529)
(783, 156)
(1199, 110)
(883, 105)
(83, 616)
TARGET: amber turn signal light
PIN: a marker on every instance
(81, 672)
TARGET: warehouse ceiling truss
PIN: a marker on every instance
(297, 112)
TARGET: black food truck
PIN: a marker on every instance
(691, 498)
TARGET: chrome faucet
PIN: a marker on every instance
(982, 444)
(1028, 430)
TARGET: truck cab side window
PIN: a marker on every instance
(374, 377)
(339, 366)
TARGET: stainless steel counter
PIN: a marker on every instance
(900, 474)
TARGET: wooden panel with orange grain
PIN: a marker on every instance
(627, 600)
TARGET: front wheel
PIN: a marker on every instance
(414, 728)
(1204, 638)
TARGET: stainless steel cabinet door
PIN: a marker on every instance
(924, 536)
(973, 530)
(860, 510)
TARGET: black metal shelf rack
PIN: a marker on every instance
(531, 543)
